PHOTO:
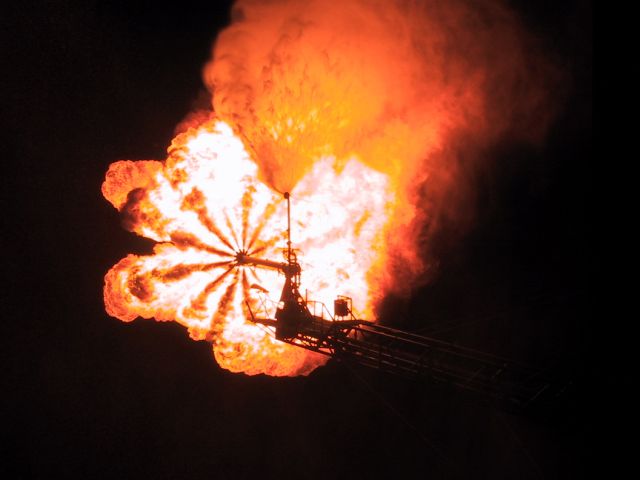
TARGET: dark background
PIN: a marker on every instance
(86, 83)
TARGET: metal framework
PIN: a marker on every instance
(309, 324)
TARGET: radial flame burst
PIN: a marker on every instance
(371, 114)
(204, 204)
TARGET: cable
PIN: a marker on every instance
(430, 443)
(535, 466)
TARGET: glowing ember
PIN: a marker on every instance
(204, 204)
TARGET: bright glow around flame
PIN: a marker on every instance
(204, 204)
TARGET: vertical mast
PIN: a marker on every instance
(286, 196)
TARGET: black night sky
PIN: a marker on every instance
(87, 396)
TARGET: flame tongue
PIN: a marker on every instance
(205, 204)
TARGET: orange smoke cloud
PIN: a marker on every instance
(404, 86)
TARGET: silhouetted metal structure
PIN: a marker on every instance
(309, 324)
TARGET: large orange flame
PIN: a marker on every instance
(202, 206)
(358, 109)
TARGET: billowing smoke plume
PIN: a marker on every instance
(408, 87)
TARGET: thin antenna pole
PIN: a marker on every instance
(286, 196)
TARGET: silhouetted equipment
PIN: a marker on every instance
(308, 324)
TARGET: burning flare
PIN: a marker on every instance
(205, 204)
(364, 111)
